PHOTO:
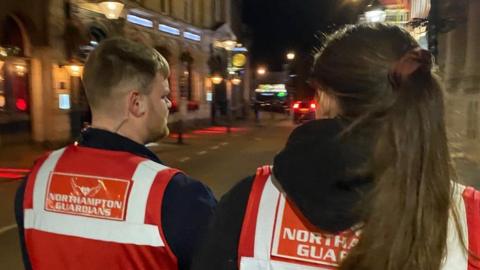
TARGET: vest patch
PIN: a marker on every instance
(91, 196)
(295, 240)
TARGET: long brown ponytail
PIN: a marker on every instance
(407, 213)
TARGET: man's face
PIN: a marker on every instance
(157, 109)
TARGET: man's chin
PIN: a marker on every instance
(157, 137)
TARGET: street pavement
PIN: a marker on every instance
(211, 155)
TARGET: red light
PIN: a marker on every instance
(21, 104)
(296, 105)
(313, 106)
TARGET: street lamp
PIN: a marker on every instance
(216, 79)
(261, 71)
(75, 70)
(236, 81)
(290, 56)
(111, 9)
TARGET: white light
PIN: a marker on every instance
(139, 21)
(111, 9)
(241, 49)
(64, 101)
(93, 43)
(169, 29)
(75, 70)
(191, 36)
(229, 45)
(290, 56)
(20, 70)
(209, 96)
(376, 15)
(261, 71)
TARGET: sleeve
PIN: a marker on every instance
(220, 248)
(187, 206)
(19, 218)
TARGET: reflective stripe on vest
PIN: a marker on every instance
(263, 242)
(131, 231)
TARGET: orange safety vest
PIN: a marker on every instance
(87, 208)
(276, 236)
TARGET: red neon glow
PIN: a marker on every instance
(14, 170)
(13, 173)
(7, 175)
(296, 105)
(313, 106)
(21, 104)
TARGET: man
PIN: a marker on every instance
(107, 202)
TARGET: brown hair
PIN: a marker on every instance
(407, 211)
(117, 63)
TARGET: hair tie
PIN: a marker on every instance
(413, 60)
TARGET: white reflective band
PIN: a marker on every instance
(265, 221)
(142, 182)
(256, 264)
(279, 218)
(95, 229)
(457, 257)
(42, 177)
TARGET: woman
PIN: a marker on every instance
(367, 188)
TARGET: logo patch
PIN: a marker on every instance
(297, 240)
(90, 196)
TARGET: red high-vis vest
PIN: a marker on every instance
(276, 236)
(88, 208)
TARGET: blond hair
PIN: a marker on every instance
(118, 63)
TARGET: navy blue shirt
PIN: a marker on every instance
(187, 203)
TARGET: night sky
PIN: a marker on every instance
(277, 26)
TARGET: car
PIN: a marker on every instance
(303, 110)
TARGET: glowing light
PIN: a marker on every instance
(290, 56)
(313, 106)
(21, 104)
(240, 49)
(75, 70)
(64, 101)
(139, 21)
(191, 36)
(261, 71)
(376, 15)
(111, 9)
(169, 29)
(216, 79)
(236, 81)
(3, 101)
(20, 70)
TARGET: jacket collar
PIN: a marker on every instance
(106, 140)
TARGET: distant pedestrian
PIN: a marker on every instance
(108, 202)
(366, 187)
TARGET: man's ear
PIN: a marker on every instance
(136, 104)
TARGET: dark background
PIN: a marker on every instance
(278, 26)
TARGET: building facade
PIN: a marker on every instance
(459, 60)
(44, 44)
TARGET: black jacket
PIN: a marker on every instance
(187, 203)
(324, 173)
